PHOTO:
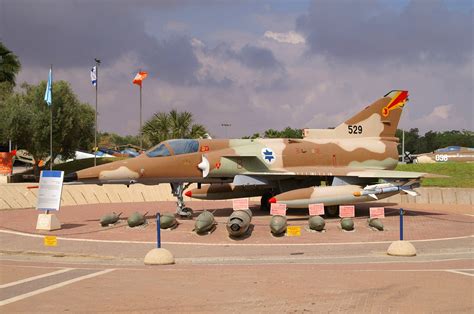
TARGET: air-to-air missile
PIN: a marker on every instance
(136, 219)
(278, 225)
(109, 219)
(220, 191)
(316, 223)
(347, 224)
(376, 223)
(239, 222)
(168, 221)
(204, 222)
(384, 188)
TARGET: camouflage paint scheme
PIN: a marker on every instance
(357, 153)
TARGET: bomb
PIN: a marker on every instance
(347, 224)
(316, 223)
(376, 223)
(136, 219)
(204, 222)
(278, 225)
(109, 219)
(168, 221)
(239, 222)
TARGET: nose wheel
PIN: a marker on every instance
(181, 210)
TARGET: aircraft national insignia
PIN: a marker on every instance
(398, 101)
(268, 155)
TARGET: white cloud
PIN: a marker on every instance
(440, 112)
(290, 37)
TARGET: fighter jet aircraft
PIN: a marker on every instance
(349, 164)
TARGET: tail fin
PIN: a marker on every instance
(380, 119)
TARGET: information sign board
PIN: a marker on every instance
(377, 212)
(346, 211)
(316, 209)
(278, 209)
(240, 203)
(293, 231)
(50, 189)
(50, 241)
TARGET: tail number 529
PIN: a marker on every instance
(354, 129)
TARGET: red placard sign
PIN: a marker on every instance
(278, 209)
(240, 203)
(377, 212)
(316, 209)
(346, 211)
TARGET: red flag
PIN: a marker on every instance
(140, 77)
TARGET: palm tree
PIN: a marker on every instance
(163, 126)
(9, 65)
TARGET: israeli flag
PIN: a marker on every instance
(94, 75)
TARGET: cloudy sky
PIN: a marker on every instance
(253, 64)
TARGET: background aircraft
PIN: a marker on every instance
(349, 164)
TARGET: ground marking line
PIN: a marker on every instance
(460, 272)
(225, 244)
(319, 263)
(52, 287)
(35, 277)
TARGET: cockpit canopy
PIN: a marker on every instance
(174, 147)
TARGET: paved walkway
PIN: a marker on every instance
(101, 269)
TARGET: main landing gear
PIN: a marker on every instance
(181, 210)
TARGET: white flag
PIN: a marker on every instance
(93, 76)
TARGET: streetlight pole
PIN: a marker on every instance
(225, 125)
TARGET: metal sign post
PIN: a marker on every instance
(158, 231)
(401, 224)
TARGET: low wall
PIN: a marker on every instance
(17, 195)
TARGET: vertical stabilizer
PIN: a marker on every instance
(380, 119)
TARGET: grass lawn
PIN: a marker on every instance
(460, 174)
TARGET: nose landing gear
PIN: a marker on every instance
(181, 210)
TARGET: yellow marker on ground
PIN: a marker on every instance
(50, 241)
(293, 231)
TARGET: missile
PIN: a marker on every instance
(168, 221)
(278, 225)
(316, 223)
(239, 222)
(222, 191)
(204, 222)
(383, 188)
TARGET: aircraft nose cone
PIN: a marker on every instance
(70, 177)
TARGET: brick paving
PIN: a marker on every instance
(332, 272)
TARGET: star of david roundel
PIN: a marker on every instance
(268, 155)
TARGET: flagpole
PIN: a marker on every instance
(141, 142)
(51, 124)
(97, 62)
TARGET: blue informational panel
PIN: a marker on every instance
(50, 189)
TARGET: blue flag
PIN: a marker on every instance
(94, 76)
(48, 97)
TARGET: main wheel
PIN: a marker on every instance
(331, 211)
(264, 204)
(186, 213)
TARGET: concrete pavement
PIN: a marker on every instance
(101, 269)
